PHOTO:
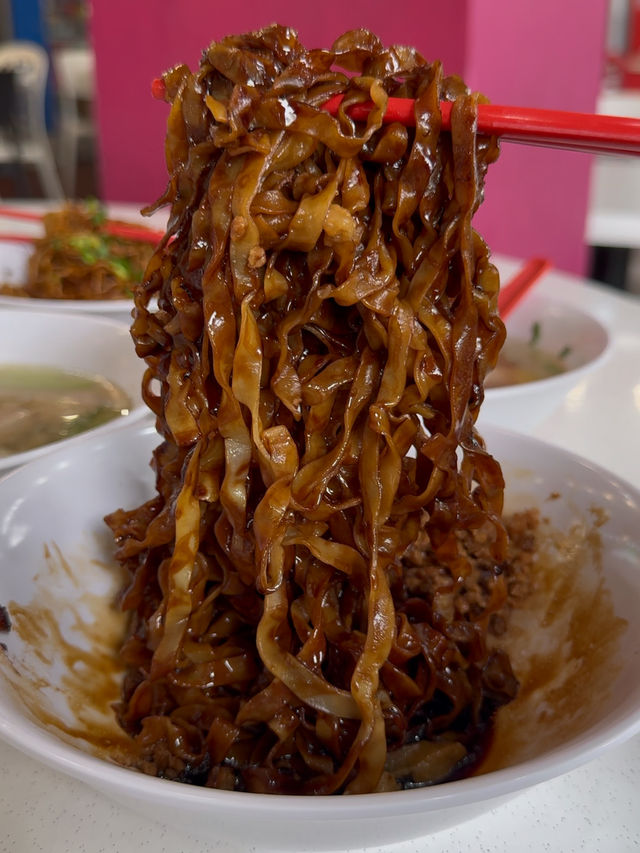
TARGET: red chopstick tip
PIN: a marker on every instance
(158, 89)
(519, 285)
(596, 134)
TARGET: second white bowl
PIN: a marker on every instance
(558, 328)
(75, 343)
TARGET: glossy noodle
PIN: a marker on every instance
(313, 585)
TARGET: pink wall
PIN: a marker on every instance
(136, 40)
(535, 201)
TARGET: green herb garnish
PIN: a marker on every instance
(536, 331)
(121, 268)
(91, 247)
(96, 211)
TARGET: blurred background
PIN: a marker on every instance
(105, 134)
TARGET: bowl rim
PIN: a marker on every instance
(47, 749)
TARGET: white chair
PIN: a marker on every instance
(74, 72)
(23, 137)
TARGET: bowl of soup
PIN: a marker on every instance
(63, 377)
(550, 347)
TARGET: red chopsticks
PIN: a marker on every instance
(588, 132)
(592, 133)
(519, 285)
(127, 231)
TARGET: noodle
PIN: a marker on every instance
(77, 259)
(312, 586)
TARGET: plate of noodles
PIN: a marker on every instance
(78, 259)
(570, 631)
(302, 610)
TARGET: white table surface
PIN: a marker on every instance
(594, 809)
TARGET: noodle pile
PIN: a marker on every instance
(77, 259)
(313, 585)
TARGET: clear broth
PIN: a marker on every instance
(521, 361)
(40, 405)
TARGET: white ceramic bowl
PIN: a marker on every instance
(58, 502)
(561, 326)
(94, 346)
